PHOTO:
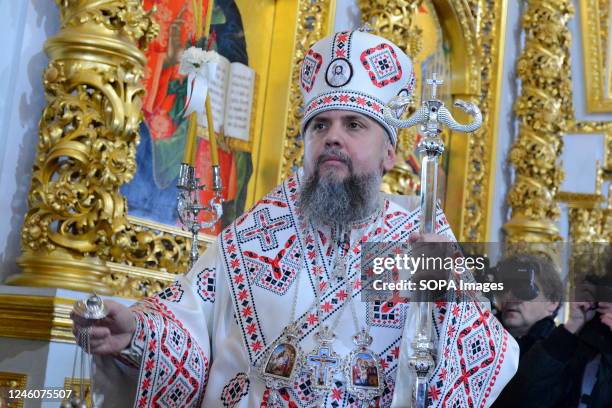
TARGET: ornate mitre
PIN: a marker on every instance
(356, 71)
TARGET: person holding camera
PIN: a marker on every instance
(569, 365)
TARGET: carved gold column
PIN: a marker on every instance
(88, 134)
(542, 110)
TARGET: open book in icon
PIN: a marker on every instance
(232, 94)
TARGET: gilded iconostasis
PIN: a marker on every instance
(99, 115)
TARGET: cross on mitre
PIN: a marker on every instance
(434, 82)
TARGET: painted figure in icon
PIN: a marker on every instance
(365, 372)
(281, 361)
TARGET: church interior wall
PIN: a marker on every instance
(508, 128)
(26, 25)
(580, 151)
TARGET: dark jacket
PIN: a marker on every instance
(551, 367)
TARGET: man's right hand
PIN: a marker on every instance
(109, 335)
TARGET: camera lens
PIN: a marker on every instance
(519, 278)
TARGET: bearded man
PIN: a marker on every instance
(286, 275)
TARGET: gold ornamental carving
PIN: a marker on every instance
(590, 220)
(597, 61)
(543, 111)
(78, 233)
(394, 21)
(588, 225)
(12, 381)
(88, 132)
(590, 228)
(488, 18)
(475, 29)
(313, 17)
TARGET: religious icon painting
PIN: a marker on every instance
(339, 72)
(151, 193)
(282, 361)
(363, 370)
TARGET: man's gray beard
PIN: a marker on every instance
(340, 201)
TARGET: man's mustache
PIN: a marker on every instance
(335, 155)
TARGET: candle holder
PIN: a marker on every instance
(189, 206)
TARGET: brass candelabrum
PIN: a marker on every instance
(189, 207)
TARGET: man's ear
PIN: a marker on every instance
(389, 155)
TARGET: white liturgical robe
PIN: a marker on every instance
(201, 342)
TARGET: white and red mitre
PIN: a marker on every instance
(356, 71)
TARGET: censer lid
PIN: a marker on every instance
(91, 308)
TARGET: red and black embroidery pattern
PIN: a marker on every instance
(471, 357)
(264, 229)
(173, 293)
(234, 390)
(174, 369)
(278, 273)
(382, 65)
(341, 47)
(310, 69)
(468, 373)
(386, 314)
(205, 284)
